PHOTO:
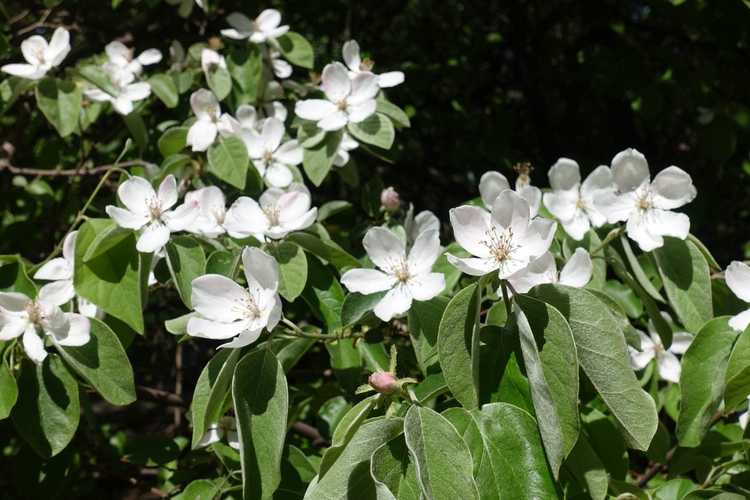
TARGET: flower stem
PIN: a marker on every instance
(614, 234)
(503, 286)
(301, 333)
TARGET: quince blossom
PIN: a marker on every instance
(666, 359)
(210, 121)
(342, 153)
(264, 28)
(738, 280)
(40, 56)
(212, 210)
(270, 156)
(121, 61)
(356, 66)
(126, 93)
(492, 183)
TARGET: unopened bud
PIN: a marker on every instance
(389, 199)
(383, 382)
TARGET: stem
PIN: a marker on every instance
(719, 470)
(73, 172)
(614, 234)
(506, 299)
(301, 333)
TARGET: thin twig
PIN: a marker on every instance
(160, 396)
(310, 432)
(73, 172)
(36, 24)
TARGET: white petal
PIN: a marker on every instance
(538, 238)
(737, 276)
(233, 34)
(314, 109)
(181, 217)
(260, 269)
(69, 247)
(629, 169)
(669, 367)
(743, 419)
(245, 217)
(56, 269)
(11, 326)
(539, 271)
(424, 252)
(577, 271)
(28, 71)
(334, 121)
(351, 55)
(491, 184)
(204, 104)
(360, 112)
(424, 221)
(32, 48)
(13, 301)
(246, 337)
(136, 194)
(367, 281)
(510, 210)
(255, 147)
(473, 266)
(126, 218)
(247, 116)
(672, 188)
(208, 329)
(639, 359)
(666, 223)
(470, 228)
(122, 105)
(364, 88)
(426, 286)
(33, 345)
(59, 46)
(680, 342)
(390, 79)
(79, 332)
(638, 230)
(578, 226)
(149, 56)
(741, 321)
(292, 206)
(216, 297)
(336, 83)
(564, 175)
(395, 303)
(290, 153)
(533, 196)
(201, 135)
(155, 235)
(240, 23)
(599, 179)
(278, 175)
(167, 193)
(281, 68)
(615, 207)
(58, 292)
(89, 309)
(384, 248)
(268, 19)
(273, 132)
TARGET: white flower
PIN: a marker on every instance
(347, 100)
(737, 276)
(414, 226)
(652, 348)
(406, 277)
(226, 427)
(571, 201)
(279, 213)
(210, 122)
(347, 144)
(147, 209)
(121, 61)
(646, 205)
(40, 55)
(576, 272)
(210, 60)
(281, 68)
(745, 416)
(270, 156)
(227, 310)
(60, 272)
(20, 315)
(505, 240)
(492, 183)
(356, 66)
(263, 28)
(126, 93)
(212, 211)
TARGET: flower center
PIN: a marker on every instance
(644, 200)
(218, 213)
(272, 213)
(401, 271)
(342, 105)
(366, 64)
(34, 312)
(154, 208)
(268, 156)
(580, 203)
(500, 245)
(248, 307)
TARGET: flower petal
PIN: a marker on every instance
(565, 174)
(268, 19)
(638, 230)
(510, 210)
(336, 83)
(639, 359)
(424, 252)
(737, 276)
(149, 56)
(577, 271)
(533, 196)
(261, 270)
(672, 188)
(426, 286)
(273, 132)
(11, 327)
(204, 104)
(59, 46)
(364, 88)
(367, 281)
(28, 71)
(491, 184)
(244, 218)
(217, 330)
(181, 217)
(629, 170)
(680, 342)
(241, 24)
(33, 345)
(599, 179)
(470, 227)
(136, 194)
(361, 111)
(577, 226)
(741, 321)
(201, 135)
(126, 218)
(314, 109)
(351, 56)
(246, 337)
(335, 121)
(290, 153)
(155, 235)
(390, 79)
(539, 271)
(384, 248)
(13, 301)
(216, 297)
(473, 266)
(669, 367)
(562, 204)
(666, 223)
(33, 49)
(58, 292)
(395, 303)
(56, 269)
(167, 193)
(278, 175)
(79, 332)
(615, 207)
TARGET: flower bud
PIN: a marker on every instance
(389, 199)
(384, 382)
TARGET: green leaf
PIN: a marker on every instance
(346, 362)
(326, 249)
(514, 451)
(220, 82)
(172, 141)
(98, 77)
(457, 327)
(345, 430)
(8, 391)
(105, 240)
(103, 363)
(261, 402)
(317, 160)
(393, 473)
(228, 160)
(199, 489)
(245, 64)
(186, 261)
(702, 382)
(292, 267)
(501, 379)
(638, 272)
(60, 102)
(112, 280)
(356, 306)
(377, 129)
(603, 355)
(443, 461)
(424, 324)
(396, 114)
(588, 470)
(331, 208)
(13, 276)
(178, 325)
(137, 129)
(48, 409)
(552, 368)
(738, 373)
(210, 391)
(351, 472)
(296, 49)
(223, 262)
(323, 293)
(165, 89)
(687, 281)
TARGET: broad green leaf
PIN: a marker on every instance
(186, 261)
(290, 351)
(458, 325)
(377, 129)
(396, 114)
(112, 280)
(687, 281)
(515, 454)
(172, 141)
(356, 306)
(102, 362)
(60, 102)
(323, 293)
(165, 89)
(199, 489)
(431, 387)
(677, 489)
(468, 429)
(296, 49)
(738, 372)
(345, 430)
(328, 250)
(333, 208)
(442, 459)
(374, 355)
(297, 470)
(105, 240)
(393, 473)
(346, 362)
(13, 276)
(220, 82)
(48, 409)
(223, 262)
(261, 402)
(178, 325)
(292, 267)
(603, 355)
(228, 161)
(351, 472)
(424, 323)
(137, 128)
(638, 272)
(706, 253)
(588, 470)
(702, 382)
(213, 380)
(309, 135)
(317, 160)
(552, 368)
(8, 391)
(607, 443)
(500, 377)
(98, 77)
(245, 64)
(624, 297)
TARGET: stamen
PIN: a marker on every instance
(342, 105)
(34, 312)
(500, 245)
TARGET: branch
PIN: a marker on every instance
(310, 432)
(73, 172)
(160, 396)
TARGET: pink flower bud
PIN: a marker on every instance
(389, 199)
(383, 382)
